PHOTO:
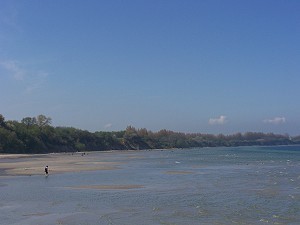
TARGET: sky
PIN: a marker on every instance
(208, 66)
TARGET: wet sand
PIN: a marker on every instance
(178, 172)
(109, 187)
(24, 164)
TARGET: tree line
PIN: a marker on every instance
(36, 135)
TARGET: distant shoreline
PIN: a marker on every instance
(36, 135)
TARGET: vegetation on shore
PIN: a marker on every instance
(36, 135)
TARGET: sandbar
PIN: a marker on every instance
(175, 172)
(31, 164)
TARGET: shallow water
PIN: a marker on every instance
(215, 186)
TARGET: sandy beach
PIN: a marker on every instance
(28, 164)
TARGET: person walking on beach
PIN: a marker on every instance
(46, 170)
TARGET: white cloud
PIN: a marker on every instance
(276, 120)
(218, 121)
(14, 68)
(31, 80)
(109, 125)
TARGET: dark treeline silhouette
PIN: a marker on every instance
(36, 135)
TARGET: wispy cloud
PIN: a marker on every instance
(109, 125)
(14, 68)
(218, 121)
(31, 79)
(276, 120)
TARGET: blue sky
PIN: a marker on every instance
(193, 66)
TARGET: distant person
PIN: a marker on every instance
(46, 170)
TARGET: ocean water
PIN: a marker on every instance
(213, 186)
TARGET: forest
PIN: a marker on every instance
(36, 135)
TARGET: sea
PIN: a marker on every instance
(209, 186)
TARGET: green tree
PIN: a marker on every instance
(2, 119)
(9, 142)
(42, 120)
(29, 121)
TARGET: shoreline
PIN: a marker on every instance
(65, 162)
